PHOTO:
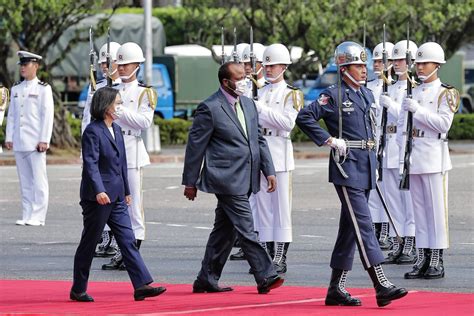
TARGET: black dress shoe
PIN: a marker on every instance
(203, 287)
(336, 297)
(80, 297)
(147, 291)
(269, 284)
(239, 255)
(385, 295)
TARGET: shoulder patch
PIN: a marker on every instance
(447, 86)
(141, 84)
(43, 83)
(323, 99)
(291, 87)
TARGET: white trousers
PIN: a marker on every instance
(31, 169)
(376, 208)
(135, 209)
(273, 210)
(429, 194)
(399, 204)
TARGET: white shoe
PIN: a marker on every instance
(20, 222)
(33, 222)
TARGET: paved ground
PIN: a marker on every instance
(177, 229)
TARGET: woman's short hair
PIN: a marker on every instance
(101, 101)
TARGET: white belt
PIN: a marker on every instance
(132, 133)
(277, 133)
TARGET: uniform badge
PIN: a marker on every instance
(347, 106)
(323, 99)
(363, 56)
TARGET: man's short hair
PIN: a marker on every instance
(101, 101)
(224, 70)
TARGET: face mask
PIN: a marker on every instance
(240, 87)
(130, 75)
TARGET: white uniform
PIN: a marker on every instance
(375, 205)
(138, 110)
(29, 122)
(86, 114)
(429, 163)
(278, 107)
(398, 201)
(4, 95)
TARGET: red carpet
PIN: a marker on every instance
(52, 297)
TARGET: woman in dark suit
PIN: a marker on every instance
(104, 198)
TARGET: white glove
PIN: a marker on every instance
(410, 105)
(339, 145)
(119, 111)
(259, 106)
(385, 101)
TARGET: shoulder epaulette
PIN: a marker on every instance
(291, 87)
(99, 81)
(372, 80)
(17, 83)
(151, 95)
(115, 84)
(141, 84)
(447, 86)
(43, 83)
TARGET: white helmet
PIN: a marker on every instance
(430, 52)
(400, 50)
(114, 46)
(350, 53)
(129, 53)
(378, 50)
(276, 54)
(240, 50)
(258, 50)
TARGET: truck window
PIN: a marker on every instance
(157, 78)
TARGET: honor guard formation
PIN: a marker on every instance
(389, 162)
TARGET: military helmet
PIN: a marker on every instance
(400, 50)
(240, 50)
(129, 53)
(258, 50)
(430, 52)
(114, 46)
(378, 50)
(350, 53)
(276, 54)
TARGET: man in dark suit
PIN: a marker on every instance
(226, 135)
(104, 197)
(347, 114)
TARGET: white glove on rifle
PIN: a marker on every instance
(338, 144)
(410, 105)
(119, 111)
(385, 101)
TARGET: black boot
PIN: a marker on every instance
(436, 268)
(408, 255)
(239, 255)
(105, 248)
(384, 242)
(279, 260)
(385, 292)
(337, 294)
(395, 253)
(420, 266)
(138, 242)
(116, 263)
(271, 248)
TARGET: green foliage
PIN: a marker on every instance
(2, 133)
(75, 125)
(174, 131)
(298, 136)
(463, 127)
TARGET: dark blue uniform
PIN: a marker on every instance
(355, 224)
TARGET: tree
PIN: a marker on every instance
(36, 25)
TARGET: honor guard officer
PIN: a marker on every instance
(379, 218)
(258, 50)
(134, 116)
(433, 106)
(107, 246)
(114, 46)
(398, 201)
(4, 97)
(29, 130)
(277, 108)
(346, 112)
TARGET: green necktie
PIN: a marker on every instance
(240, 116)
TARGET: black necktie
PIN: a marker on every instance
(361, 95)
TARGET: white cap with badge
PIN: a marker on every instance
(26, 57)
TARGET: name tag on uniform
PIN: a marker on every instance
(33, 95)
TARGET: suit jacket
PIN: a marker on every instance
(219, 157)
(360, 164)
(104, 163)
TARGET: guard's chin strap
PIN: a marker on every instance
(130, 75)
(358, 83)
(424, 78)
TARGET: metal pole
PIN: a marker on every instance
(147, 6)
